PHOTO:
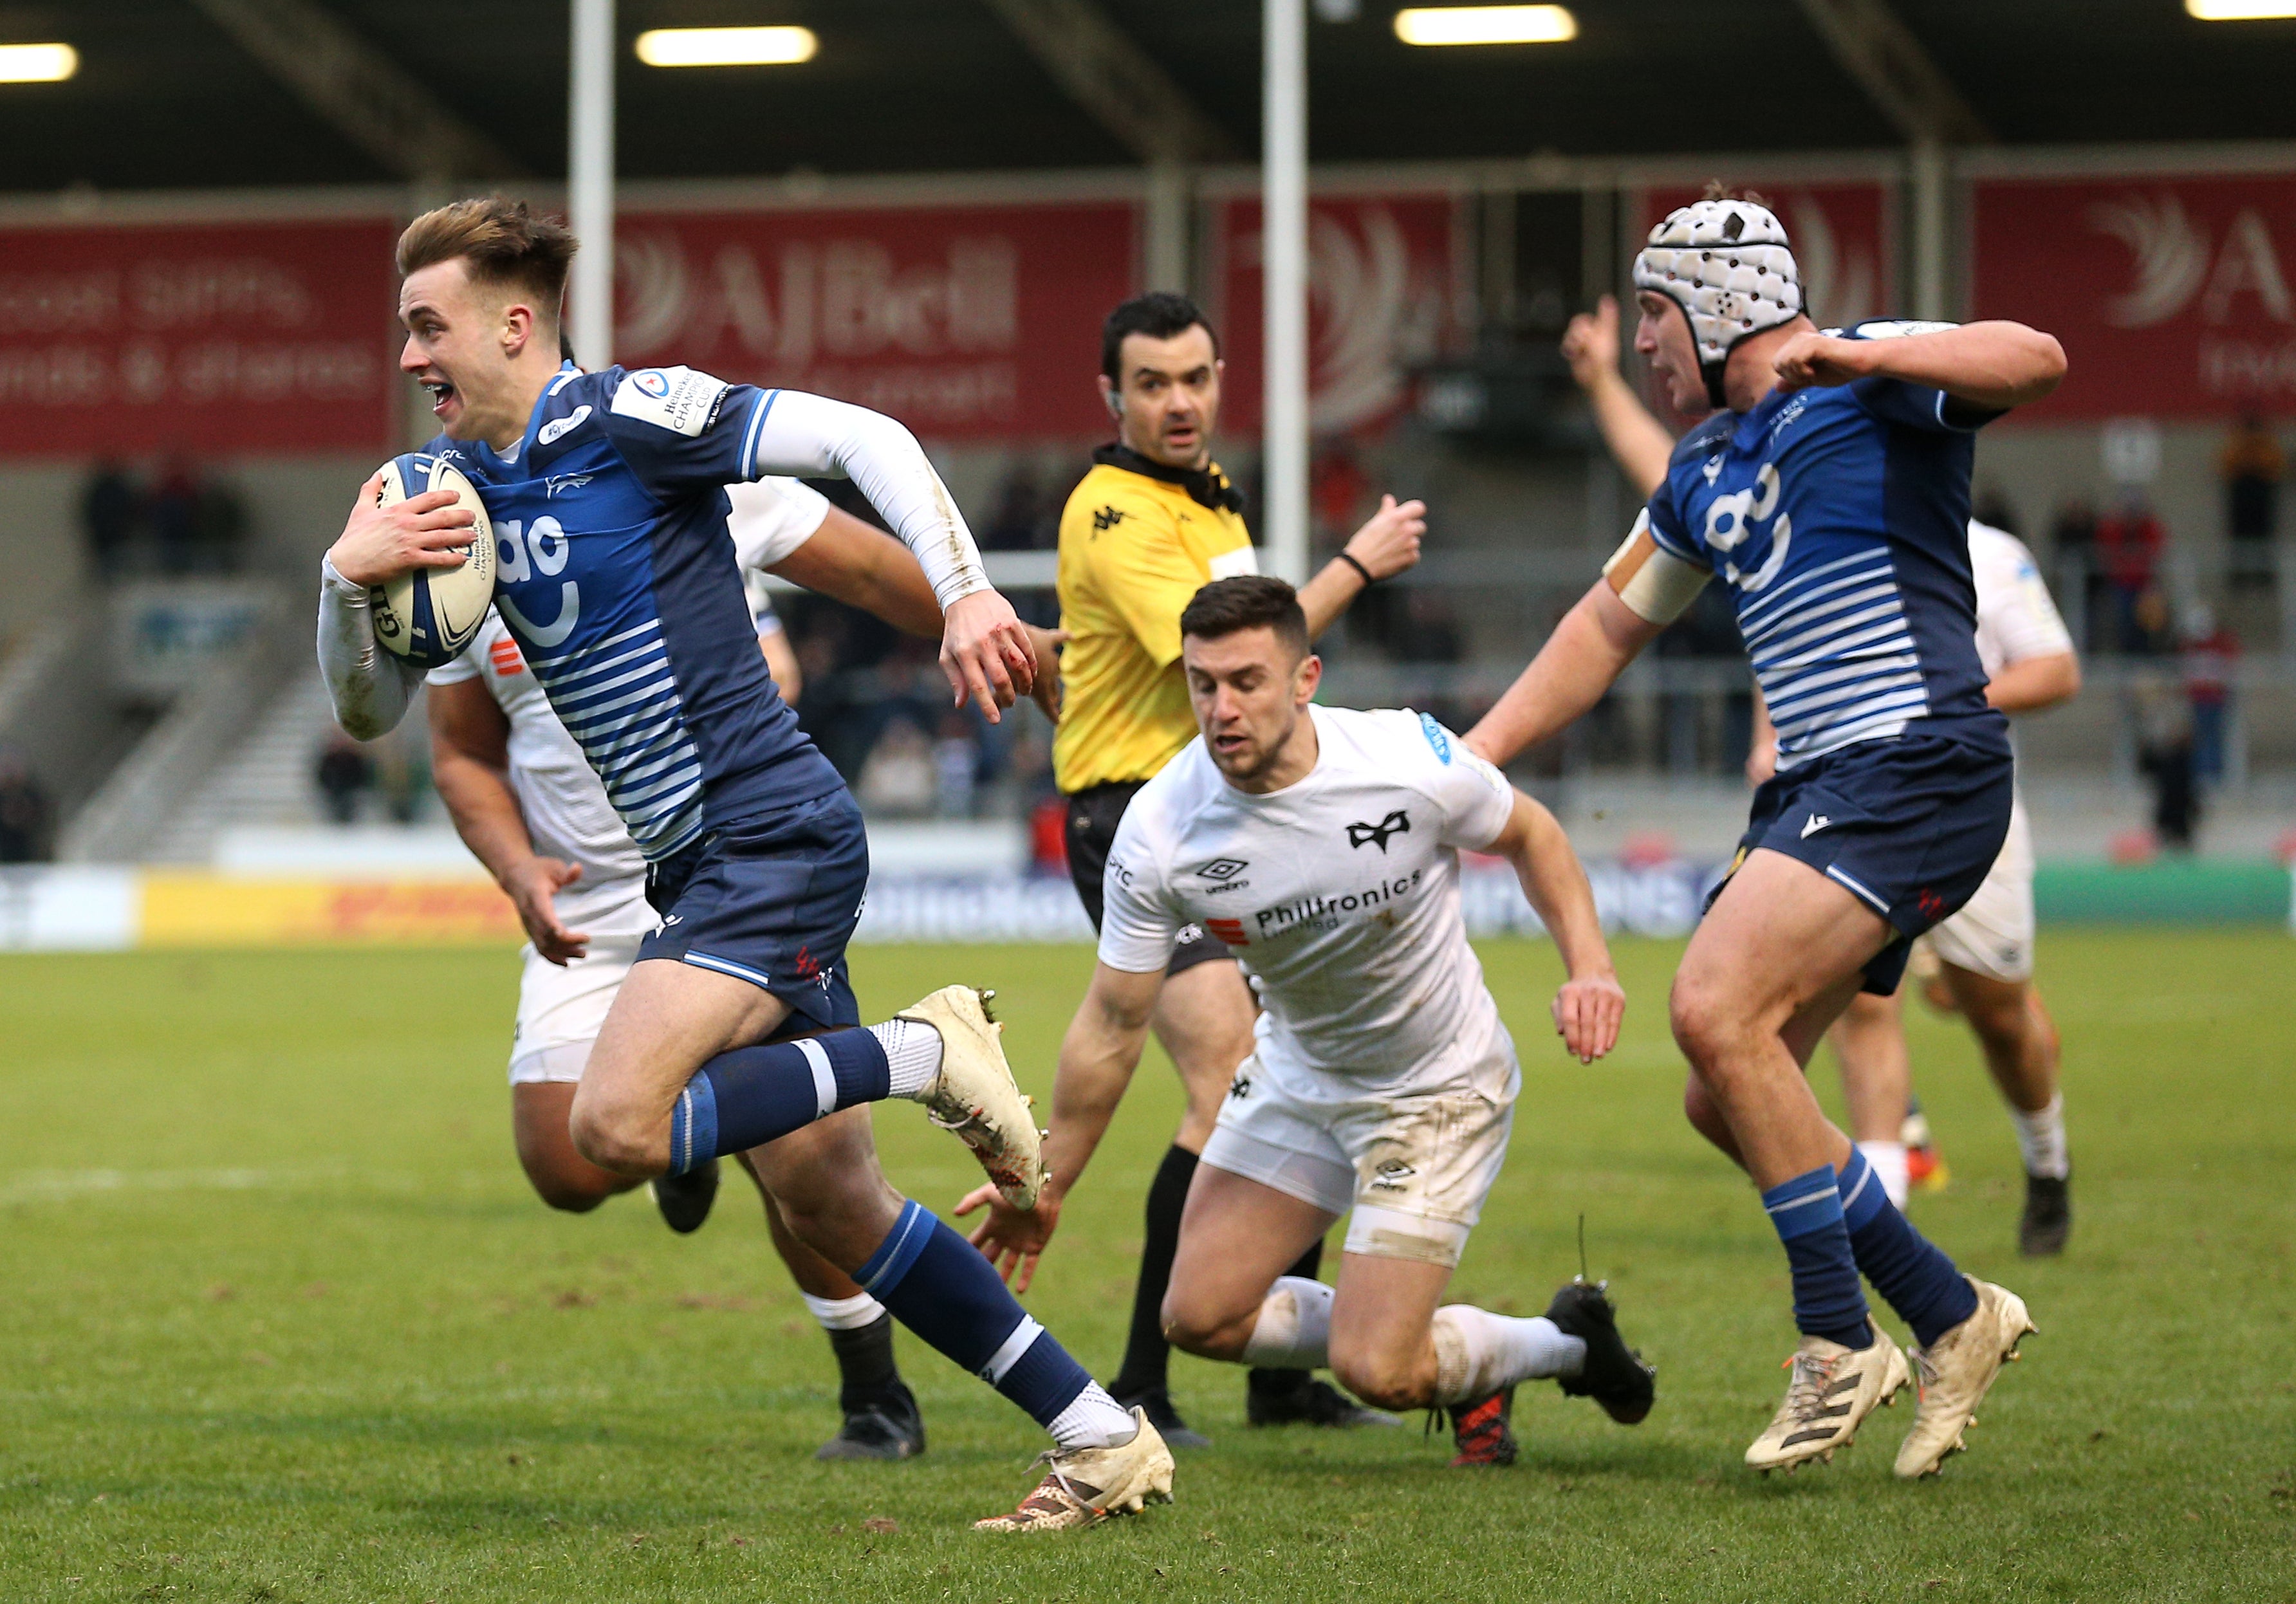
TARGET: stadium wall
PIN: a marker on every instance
(97, 909)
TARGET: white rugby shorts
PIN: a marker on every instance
(1992, 934)
(1414, 1168)
(560, 1010)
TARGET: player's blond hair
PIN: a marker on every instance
(503, 244)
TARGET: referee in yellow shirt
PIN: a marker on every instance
(1152, 523)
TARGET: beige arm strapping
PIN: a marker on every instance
(1657, 586)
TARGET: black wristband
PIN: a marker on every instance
(1368, 579)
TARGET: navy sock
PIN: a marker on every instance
(937, 1284)
(1912, 1275)
(753, 1094)
(1828, 1301)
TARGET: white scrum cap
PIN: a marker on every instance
(1727, 264)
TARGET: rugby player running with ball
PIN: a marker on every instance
(736, 1030)
(1829, 492)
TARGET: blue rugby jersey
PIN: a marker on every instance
(1839, 519)
(616, 575)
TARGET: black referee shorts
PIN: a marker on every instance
(1094, 815)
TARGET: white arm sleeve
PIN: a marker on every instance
(803, 434)
(771, 518)
(371, 688)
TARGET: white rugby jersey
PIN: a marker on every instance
(1339, 894)
(2016, 617)
(565, 806)
(2016, 620)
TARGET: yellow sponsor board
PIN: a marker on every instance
(212, 910)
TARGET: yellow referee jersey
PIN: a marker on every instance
(1136, 545)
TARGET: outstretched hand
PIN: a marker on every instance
(985, 652)
(1586, 1015)
(379, 544)
(1388, 541)
(532, 887)
(1010, 1238)
(1046, 644)
(1590, 345)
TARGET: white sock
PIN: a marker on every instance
(1294, 1329)
(844, 1313)
(1094, 1420)
(1889, 1161)
(2041, 1138)
(911, 1053)
(1477, 1352)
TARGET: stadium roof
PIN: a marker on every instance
(170, 95)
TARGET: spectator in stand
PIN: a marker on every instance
(1019, 522)
(2210, 653)
(2128, 542)
(2251, 465)
(344, 773)
(23, 811)
(218, 528)
(110, 508)
(957, 766)
(2073, 545)
(174, 517)
(2165, 757)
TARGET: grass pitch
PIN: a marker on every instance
(281, 1321)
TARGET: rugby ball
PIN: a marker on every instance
(429, 616)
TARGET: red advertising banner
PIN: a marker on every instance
(962, 321)
(1381, 273)
(1843, 242)
(240, 336)
(2169, 294)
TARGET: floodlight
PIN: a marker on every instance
(727, 47)
(1485, 25)
(37, 63)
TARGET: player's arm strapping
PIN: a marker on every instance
(470, 763)
(1098, 1055)
(1644, 587)
(1590, 1006)
(983, 649)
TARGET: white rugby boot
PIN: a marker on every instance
(1084, 1486)
(975, 1095)
(1956, 1371)
(1832, 1390)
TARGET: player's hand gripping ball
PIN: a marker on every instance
(429, 615)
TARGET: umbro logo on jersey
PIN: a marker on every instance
(1397, 822)
(1393, 1174)
(1107, 518)
(1223, 869)
(1813, 825)
(558, 428)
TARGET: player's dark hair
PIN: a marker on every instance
(1227, 606)
(504, 242)
(1160, 315)
(1715, 190)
